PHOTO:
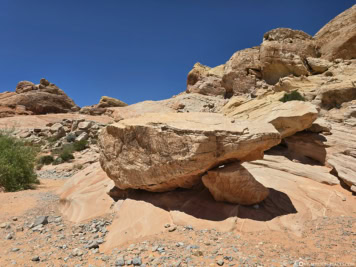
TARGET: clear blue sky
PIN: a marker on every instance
(137, 50)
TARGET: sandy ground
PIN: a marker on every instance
(325, 240)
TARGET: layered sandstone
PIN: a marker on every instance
(160, 152)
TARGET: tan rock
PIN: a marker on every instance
(233, 183)
(318, 65)
(320, 125)
(317, 173)
(160, 152)
(337, 38)
(135, 219)
(304, 146)
(208, 86)
(205, 80)
(233, 103)
(25, 86)
(182, 103)
(107, 102)
(288, 118)
(48, 99)
(84, 196)
(345, 166)
(241, 71)
(283, 52)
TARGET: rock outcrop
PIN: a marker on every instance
(205, 80)
(182, 103)
(288, 118)
(84, 196)
(242, 71)
(34, 99)
(160, 152)
(100, 108)
(284, 52)
(337, 39)
(234, 184)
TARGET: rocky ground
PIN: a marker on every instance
(34, 233)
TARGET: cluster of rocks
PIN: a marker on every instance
(283, 52)
(33, 99)
(56, 135)
(160, 152)
(183, 147)
(101, 108)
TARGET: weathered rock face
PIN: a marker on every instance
(100, 108)
(318, 65)
(205, 80)
(181, 103)
(233, 183)
(108, 102)
(84, 196)
(242, 71)
(288, 118)
(337, 39)
(160, 152)
(36, 99)
(283, 52)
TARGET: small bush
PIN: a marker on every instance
(66, 155)
(294, 95)
(80, 145)
(17, 163)
(53, 139)
(46, 160)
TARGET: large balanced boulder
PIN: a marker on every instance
(233, 183)
(337, 39)
(160, 152)
(37, 99)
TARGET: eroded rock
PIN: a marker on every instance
(233, 183)
(160, 152)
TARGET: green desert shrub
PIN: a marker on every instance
(17, 163)
(80, 145)
(294, 95)
(46, 160)
(66, 155)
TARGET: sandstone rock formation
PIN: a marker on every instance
(288, 118)
(85, 196)
(234, 184)
(160, 152)
(283, 52)
(104, 103)
(337, 39)
(182, 103)
(29, 98)
(242, 71)
(205, 80)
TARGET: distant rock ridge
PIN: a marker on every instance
(35, 99)
(282, 53)
(100, 108)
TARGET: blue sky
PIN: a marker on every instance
(137, 50)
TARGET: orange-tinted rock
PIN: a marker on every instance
(234, 184)
(160, 152)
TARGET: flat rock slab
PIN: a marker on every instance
(160, 152)
(288, 118)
